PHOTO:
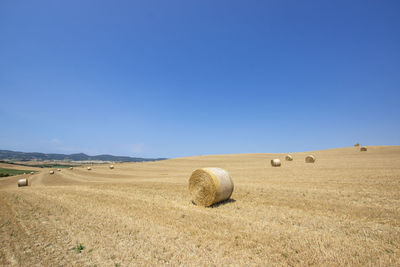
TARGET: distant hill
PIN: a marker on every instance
(23, 156)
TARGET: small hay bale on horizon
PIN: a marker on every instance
(51, 172)
(71, 168)
(111, 167)
(310, 159)
(89, 168)
(208, 186)
(363, 148)
(289, 158)
(23, 182)
(275, 162)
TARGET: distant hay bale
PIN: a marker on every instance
(89, 168)
(356, 144)
(111, 166)
(51, 172)
(59, 170)
(275, 162)
(363, 148)
(23, 182)
(71, 168)
(310, 159)
(32, 172)
(289, 158)
(208, 186)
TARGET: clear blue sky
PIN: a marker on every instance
(180, 78)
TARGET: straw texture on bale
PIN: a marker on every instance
(363, 148)
(23, 182)
(310, 159)
(275, 162)
(289, 157)
(111, 166)
(89, 168)
(208, 186)
(356, 144)
(51, 172)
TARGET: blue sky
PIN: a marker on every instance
(180, 78)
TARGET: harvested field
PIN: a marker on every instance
(342, 210)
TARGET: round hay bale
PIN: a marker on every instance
(356, 144)
(310, 159)
(23, 182)
(208, 186)
(71, 168)
(363, 148)
(111, 166)
(59, 170)
(32, 172)
(275, 162)
(89, 168)
(51, 172)
(289, 158)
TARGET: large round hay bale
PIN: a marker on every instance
(310, 159)
(23, 182)
(289, 157)
(111, 166)
(363, 148)
(208, 186)
(275, 162)
(89, 168)
(51, 172)
(356, 144)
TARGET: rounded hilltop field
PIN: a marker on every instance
(341, 210)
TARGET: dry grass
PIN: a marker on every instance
(342, 210)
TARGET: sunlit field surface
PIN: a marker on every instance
(342, 210)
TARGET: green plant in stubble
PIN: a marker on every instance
(78, 248)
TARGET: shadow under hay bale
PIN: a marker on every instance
(221, 203)
(208, 186)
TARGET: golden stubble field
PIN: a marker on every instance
(342, 210)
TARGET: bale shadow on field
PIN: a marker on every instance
(221, 203)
